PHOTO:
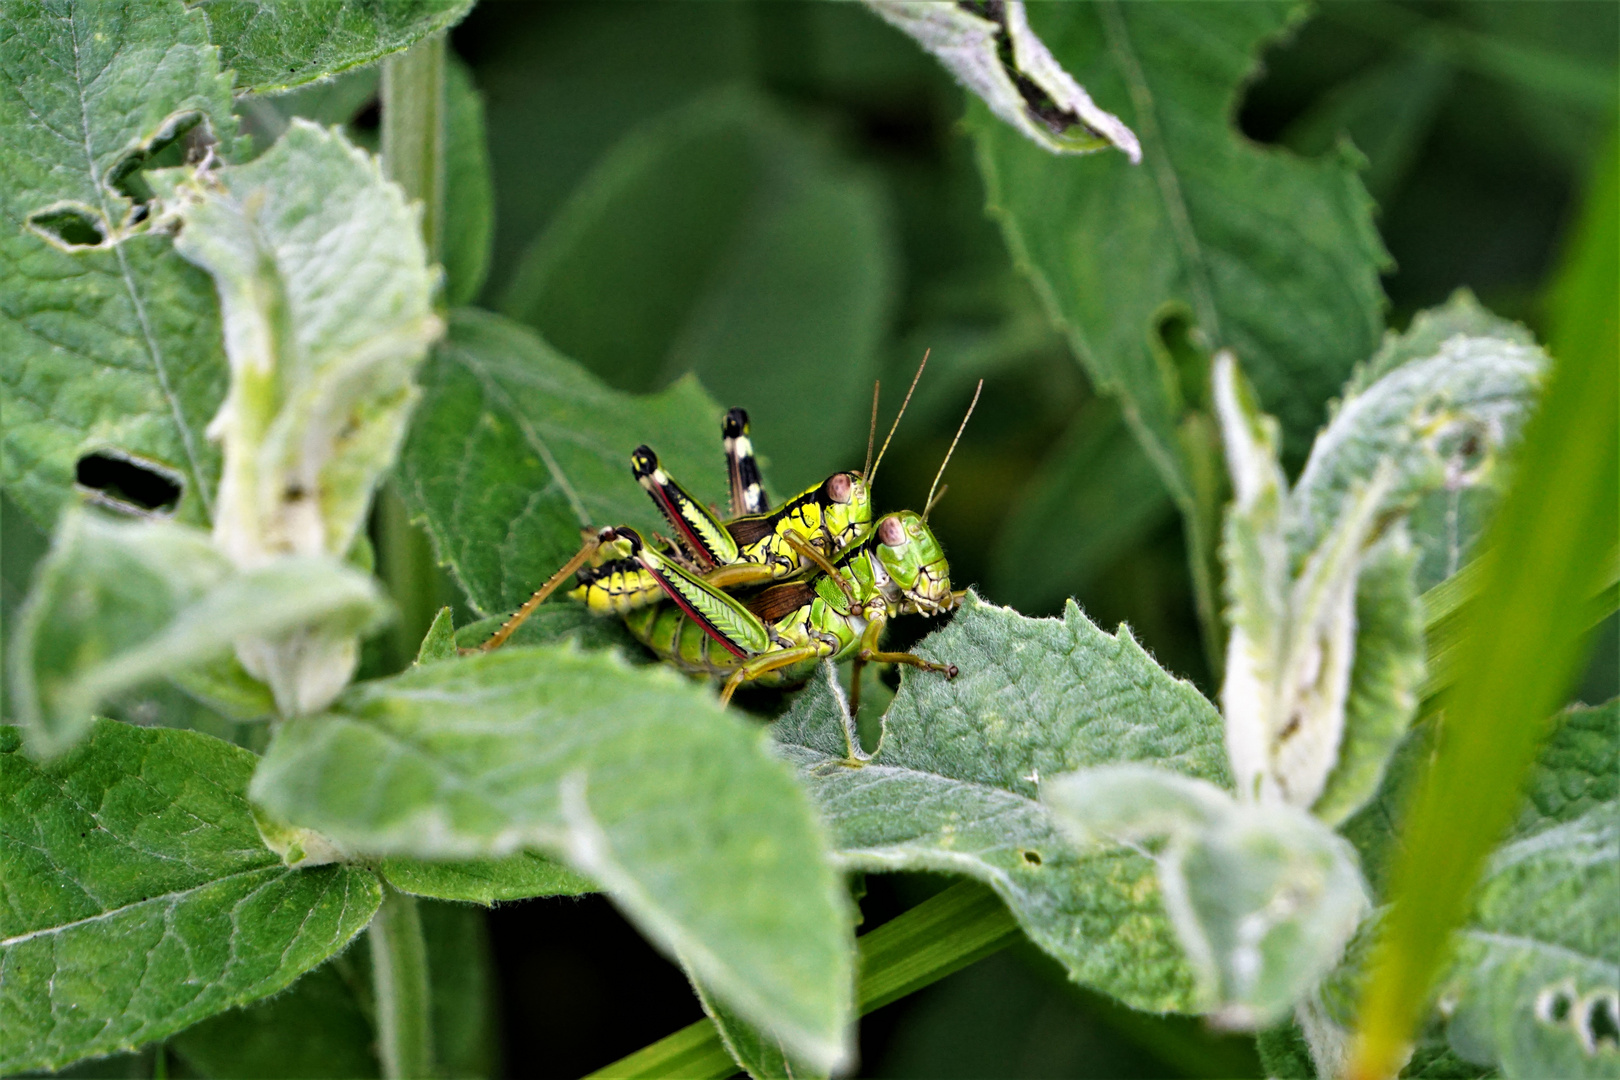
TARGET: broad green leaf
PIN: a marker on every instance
(105, 347)
(1263, 897)
(139, 898)
(485, 881)
(279, 44)
(952, 785)
(631, 775)
(1535, 985)
(117, 603)
(327, 298)
(515, 449)
(772, 277)
(990, 49)
(555, 622)
(760, 1054)
(317, 1029)
(469, 195)
(1211, 239)
(1095, 494)
(1441, 403)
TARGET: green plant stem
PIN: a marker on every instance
(942, 935)
(399, 974)
(413, 131)
(1521, 646)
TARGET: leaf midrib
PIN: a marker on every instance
(172, 897)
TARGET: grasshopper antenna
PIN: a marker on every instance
(929, 505)
(871, 476)
(871, 432)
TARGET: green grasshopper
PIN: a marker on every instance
(777, 637)
(760, 545)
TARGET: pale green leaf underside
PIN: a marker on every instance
(139, 898)
(514, 448)
(1267, 254)
(952, 786)
(102, 348)
(278, 44)
(629, 774)
(1442, 403)
(117, 603)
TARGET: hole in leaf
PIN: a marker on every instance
(184, 140)
(1602, 1022)
(1179, 345)
(129, 483)
(1554, 1003)
(68, 227)
(1033, 858)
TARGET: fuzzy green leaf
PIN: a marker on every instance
(327, 297)
(117, 603)
(104, 347)
(773, 276)
(1264, 253)
(1535, 986)
(1441, 403)
(485, 881)
(139, 898)
(439, 643)
(278, 44)
(631, 775)
(514, 449)
(1263, 898)
(953, 783)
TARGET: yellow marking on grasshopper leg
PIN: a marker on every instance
(821, 562)
(764, 665)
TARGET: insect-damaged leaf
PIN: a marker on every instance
(1264, 253)
(515, 448)
(952, 786)
(631, 775)
(104, 347)
(139, 898)
(284, 43)
(1442, 403)
(117, 603)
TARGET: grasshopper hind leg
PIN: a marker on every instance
(747, 489)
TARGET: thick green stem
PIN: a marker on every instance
(413, 131)
(399, 973)
(942, 935)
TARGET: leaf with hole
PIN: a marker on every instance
(110, 351)
(953, 784)
(516, 448)
(140, 899)
(631, 776)
(1212, 242)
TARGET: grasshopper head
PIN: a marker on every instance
(846, 508)
(915, 563)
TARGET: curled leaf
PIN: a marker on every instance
(990, 49)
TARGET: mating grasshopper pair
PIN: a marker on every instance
(831, 580)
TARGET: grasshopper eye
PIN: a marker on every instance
(839, 487)
(891, 532)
